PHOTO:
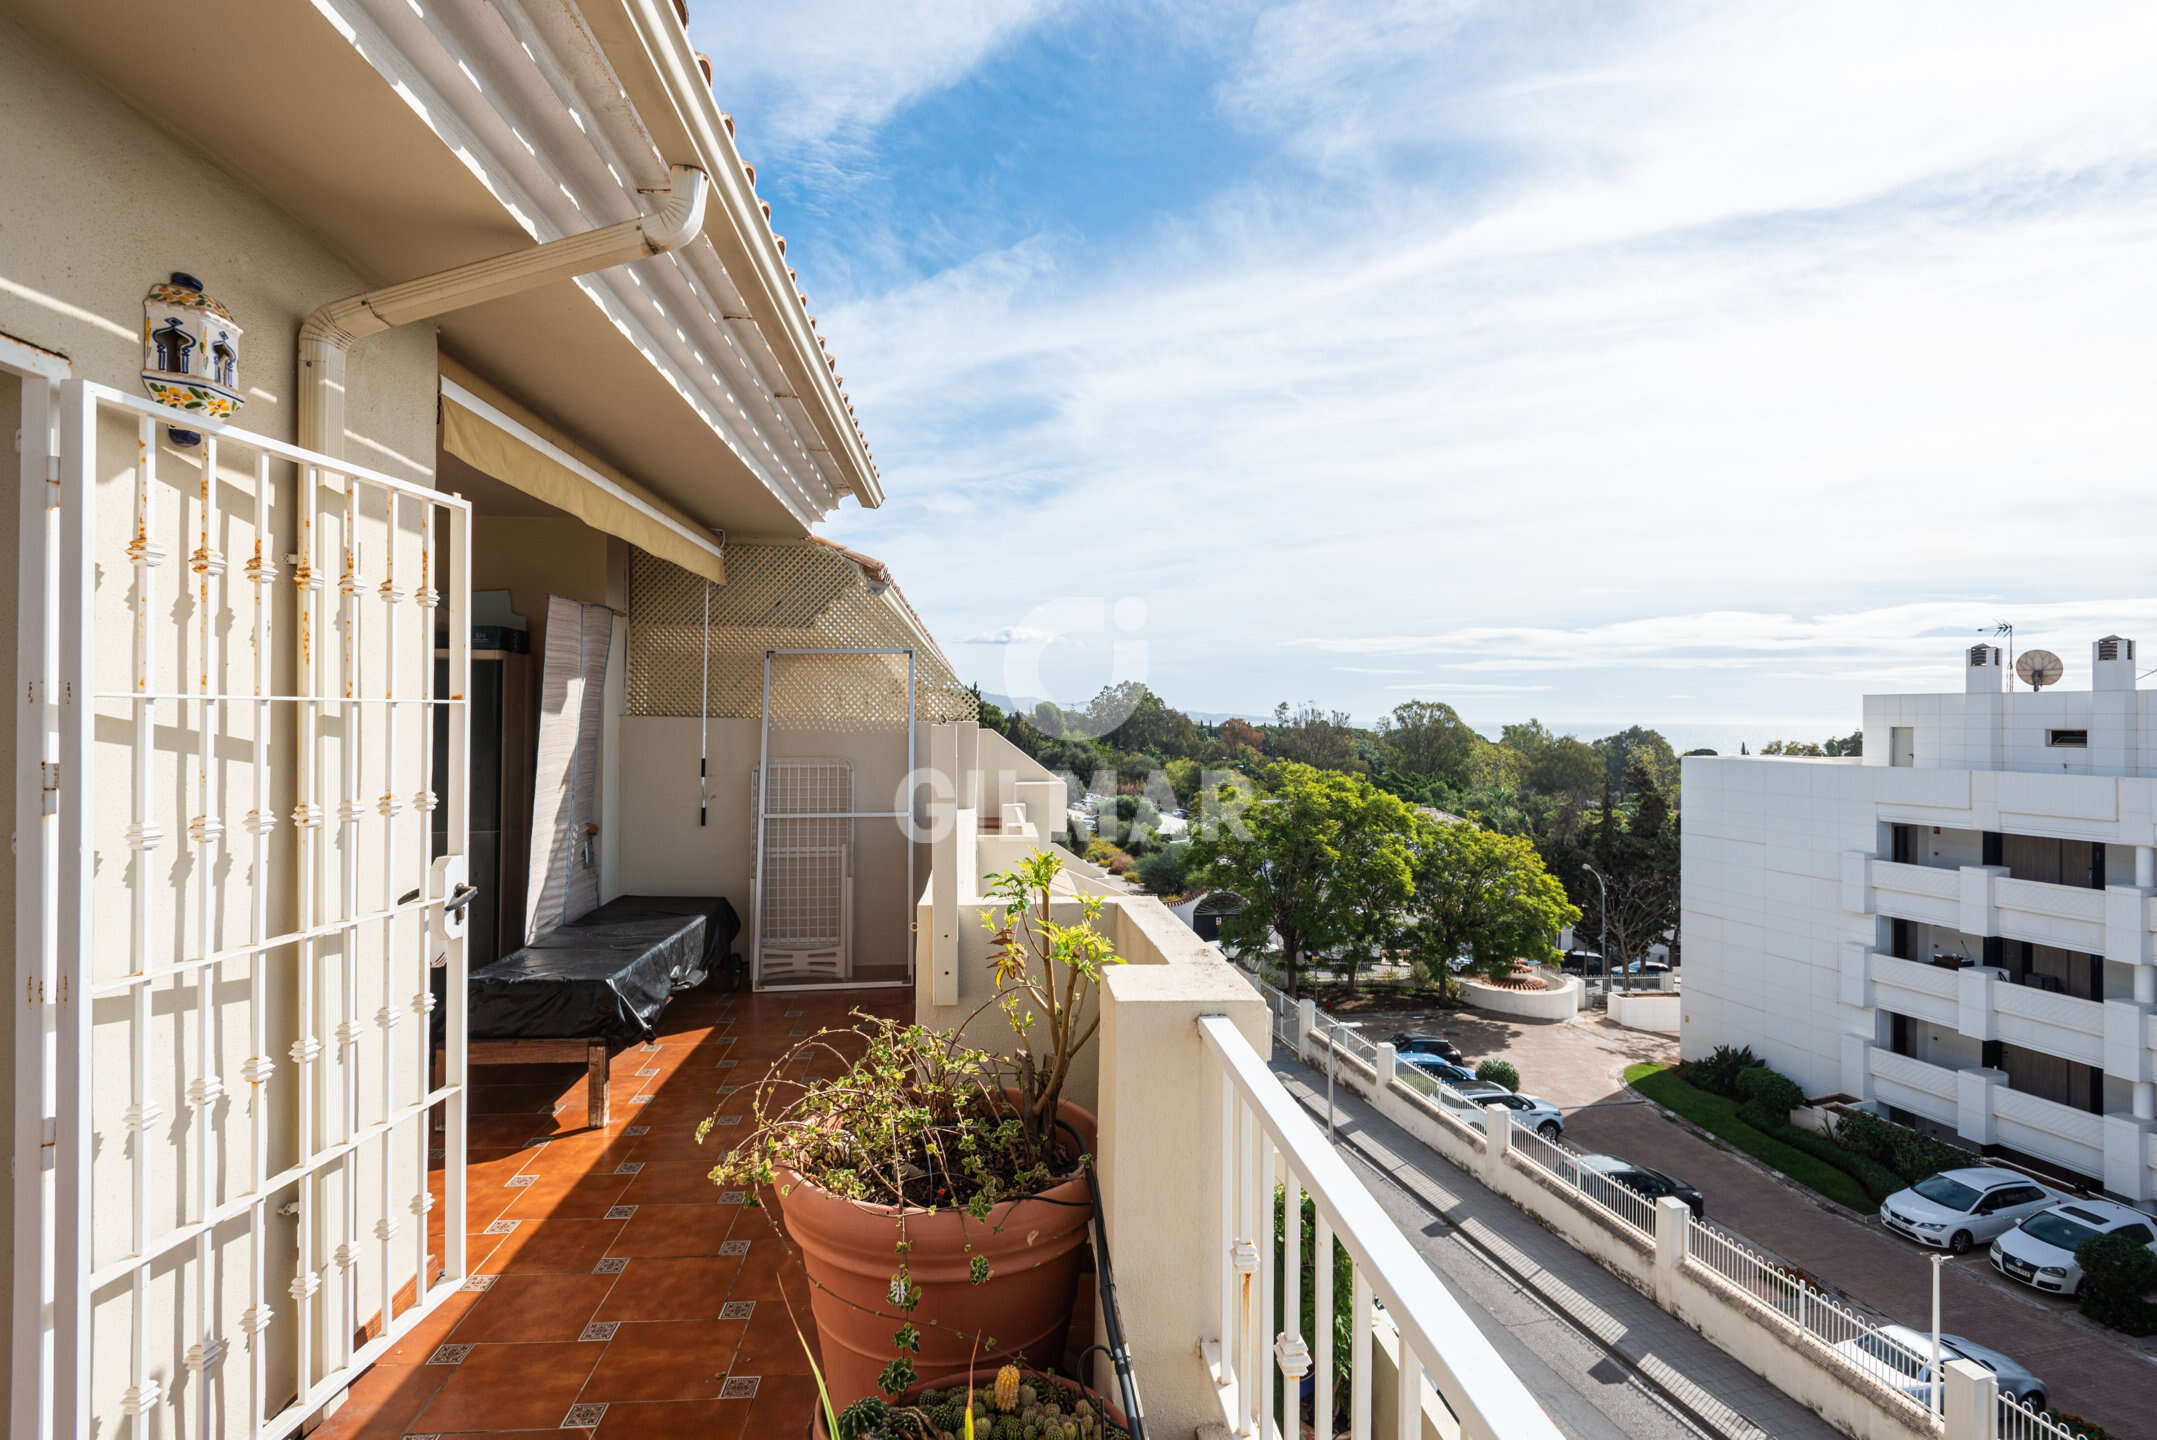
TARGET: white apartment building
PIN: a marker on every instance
(1956, 929)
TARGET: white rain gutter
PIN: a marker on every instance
(329, 334)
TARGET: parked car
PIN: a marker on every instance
(1582, 962)
(1538, 1114)
(1652, 1184)
(1956, 1209)
(1437, 1067)
(1425, 1042)
(1902, 1357)
(2040, 1252)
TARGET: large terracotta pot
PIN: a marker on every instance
(1032, 1246)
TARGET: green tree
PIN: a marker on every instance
(1566, 768)
(1528, 737)
(1484, 895)
(1637, 743)
(1639, 862)
(1850, 744)
(1307, 735)
(1425, 737)
(1791, 747)
(1314, 854)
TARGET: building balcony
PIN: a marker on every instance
(1978, 1105)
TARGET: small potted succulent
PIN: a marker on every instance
(937, 1193)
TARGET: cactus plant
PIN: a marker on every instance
(1007, 1389)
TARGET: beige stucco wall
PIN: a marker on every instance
(664, 851)
(533, 557)
(101, 204)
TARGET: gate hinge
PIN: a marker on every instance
(51, 775)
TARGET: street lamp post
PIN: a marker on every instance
(1603, 910)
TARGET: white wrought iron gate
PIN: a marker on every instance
(246, 1198)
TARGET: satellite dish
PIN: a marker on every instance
(2039, 668)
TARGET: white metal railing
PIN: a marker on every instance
(1562, 1163)
(1269, 1146)
(1858, 1338)
(2019, 1422)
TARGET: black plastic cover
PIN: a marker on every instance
(606, 974)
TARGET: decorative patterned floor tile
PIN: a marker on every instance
(501, 1227)
(449, 1355)
(621, 1212)
(792, 1014)
(739, 1387)
(636, 1129)
(642, 1099)
(431, 1436)
(725, 1090)
(630, 1167)
(611, 1265)
(733, 1197)
(733, 1247)
(647, 1072)
(797, 1032)
(737, 1310)
(479, 1282)
(600, 1330)
(537, 1142)
(726, 1064)
(520, 1182)
(726, 1120)
(583, 1417)
(650, 1047)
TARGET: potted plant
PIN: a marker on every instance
(937, 1193)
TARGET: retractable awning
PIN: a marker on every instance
(493, 434)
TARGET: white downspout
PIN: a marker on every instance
(329, 333)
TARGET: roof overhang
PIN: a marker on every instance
(414, 138)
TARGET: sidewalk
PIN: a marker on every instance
(1461, 1228)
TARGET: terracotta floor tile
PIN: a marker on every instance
(416, 1344)
(563, 1247)
(768, 1259)
(771, 1345)
(665, 1360)
(383, 1402)
(680, 1288)
(566, 1196)
(508, 1132)
(491, 1165)
(672, 1182)
(675, 1230)
(785, 1405)
(519, 1387)
(533, 1308)
(679, 1142)
(676, 1420)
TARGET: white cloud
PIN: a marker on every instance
(1010, 635)
(1755, 339)
(834, 70)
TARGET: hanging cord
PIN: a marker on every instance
(1119, 1352)
(704, 718)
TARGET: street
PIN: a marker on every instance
(2093, 1372)
(1602, 1359)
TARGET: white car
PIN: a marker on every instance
(1956, 1209)
(2041, 1250)
(1539, 1115)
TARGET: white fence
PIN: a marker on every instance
(1269, 1147)
(1845, 1338)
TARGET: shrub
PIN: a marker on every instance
(1162, 871)
(1499, 1072)
(1879, 1181)
(1718, 1074)
(1766, 1098)
(2118, 1272)
(1912, 1154)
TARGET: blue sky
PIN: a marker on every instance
(1694, 365)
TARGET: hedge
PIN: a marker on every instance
(1911, 1154)
(1765, 1099)
(2118, 1272)
(1879, 1181)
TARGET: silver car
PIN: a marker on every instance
(1956, 1209)
(1901, 1357)
(1537, 1114)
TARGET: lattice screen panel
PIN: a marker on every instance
(782, 596)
